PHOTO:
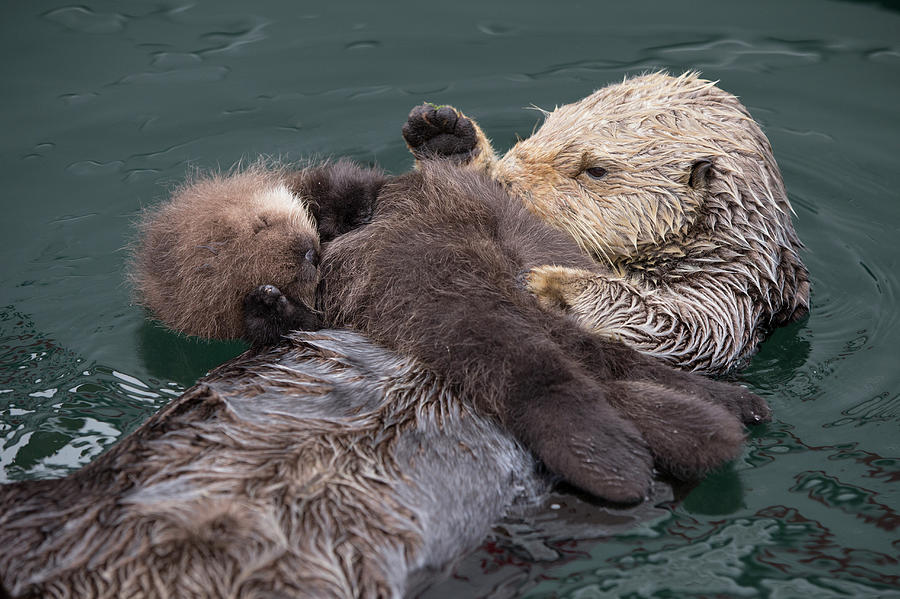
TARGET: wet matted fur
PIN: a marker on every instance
(325, 467)
(671, 184)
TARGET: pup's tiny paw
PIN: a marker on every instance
(265, 299)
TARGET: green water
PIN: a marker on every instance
(106, 105)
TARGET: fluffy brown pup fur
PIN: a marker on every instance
(435, 276)
(668, 182)
(236, 255)
(215, 240)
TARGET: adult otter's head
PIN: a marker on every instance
(637, 164)
(668, 174)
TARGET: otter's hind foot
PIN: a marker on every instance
(688, 436)
(269, 315)
(441, 132)
(582, 439)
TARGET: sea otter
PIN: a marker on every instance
(327, 466)
(588, 444)
(669, 183)
(434, 275)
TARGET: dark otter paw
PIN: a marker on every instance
(265, 300)
(440, 132)
(747, 406)
(581, 438)
(269, 315)
(687, 436)
(266, 311)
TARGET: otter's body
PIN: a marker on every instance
(315, 469)
(435, 276)
(670, 184)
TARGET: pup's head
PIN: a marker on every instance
(218, 238)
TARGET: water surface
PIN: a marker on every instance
(106, 106)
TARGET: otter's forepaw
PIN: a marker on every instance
(265, 300)
(269, 315)
(440, 132)
(555, 287)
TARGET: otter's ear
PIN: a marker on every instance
(700, 171)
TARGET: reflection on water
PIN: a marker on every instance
(58, 411)
(108, 106)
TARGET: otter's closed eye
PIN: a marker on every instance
(595, 172)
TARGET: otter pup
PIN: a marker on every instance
(236, 255)
(434, 275)
(668, 182)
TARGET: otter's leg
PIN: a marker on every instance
(269, 315)
(509, 367)
(434, 133)
(611, 308)
(565, 419)
(687, 436)
(609, 359)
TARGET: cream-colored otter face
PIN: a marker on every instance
(628, 166)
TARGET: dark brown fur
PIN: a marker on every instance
(435, 276)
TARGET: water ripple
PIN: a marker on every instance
(175, 76)
(494, 28)
(94, 168)
(175, 60)
(57, 412)
(234, 35)
(362, 45)
(84, 20)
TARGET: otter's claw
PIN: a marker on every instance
(269, 314)
(440, 132)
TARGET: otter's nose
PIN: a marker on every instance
(312, 256)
